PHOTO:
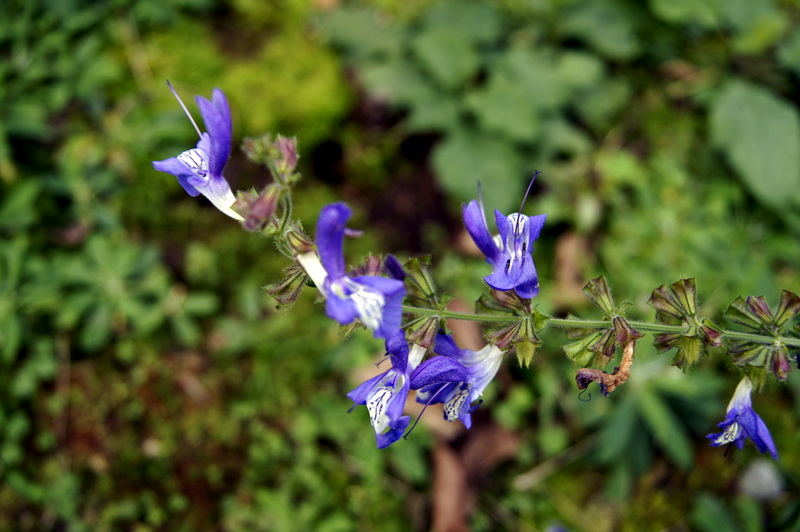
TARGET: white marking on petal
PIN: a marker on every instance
(378, 404)
(452, 408)
(730, 435)
(369, 303)
(196, 160)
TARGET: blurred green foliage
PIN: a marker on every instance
(149, 384)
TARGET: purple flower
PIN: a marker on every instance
(199, 170)
(742, 422)
(376, 301)
(385, 395)
(510, 254)
(457, 378)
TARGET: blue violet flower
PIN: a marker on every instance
(456, 378)
(199, 170)
(510, 253)
(385, 395)
(376, 301)
(742, 422)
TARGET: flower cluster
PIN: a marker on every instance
(453, 377)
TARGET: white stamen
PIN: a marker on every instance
(185, 110)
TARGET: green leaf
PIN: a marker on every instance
(18, 210)
(361, 31)
(477, 20)
(706, 13)
(710, 515)
(606, 26)
(462, 159)
(616, 437)
(789, 52)
(760, 135)
(398, 81)
(506, 107)
(667, 430)
(758, 24)
(546, 81)
(446, 54)
(435, 113)
(598, 104)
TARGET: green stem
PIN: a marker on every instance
(641, 326)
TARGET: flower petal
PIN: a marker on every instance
(360, 393)
(217, 118)
(219, 193)
(330, 238)
(757, 430)
(503, 227)
(342, 310)
(393, 292)
(178, 169)
(397, 349)
(438, 370)
(526, 283)
(395, 433)
(475, 222)
(536, 225)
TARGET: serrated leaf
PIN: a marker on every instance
(607, 26)
(397, 81)
(462, 159)
(477, 20)
(447, 55)
(435, 113)
(505, 107)
(760, 135)
(361, 31)
(706, 13)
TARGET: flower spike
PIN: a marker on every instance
(199, 170)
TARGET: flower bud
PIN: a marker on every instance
(299, 242)
(258, 210)
(780, 365)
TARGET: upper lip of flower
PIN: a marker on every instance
(217, 118)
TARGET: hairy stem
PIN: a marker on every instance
(641, 326)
